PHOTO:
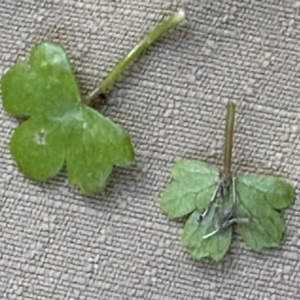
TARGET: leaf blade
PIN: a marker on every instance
(45, 85)
(265, 227)
(98, 144)
(36, 148)
(186, 167)
(47, 94)
(215, 246)
(191, 188)
(278, 192)
(15, 90)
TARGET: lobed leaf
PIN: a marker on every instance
(190, 167)
(46, 85)
(215, 246)
(59, 128)
(254, 202)
(253, 206)
(193, 186)
(278, 193)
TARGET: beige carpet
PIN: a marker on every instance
(56, 243)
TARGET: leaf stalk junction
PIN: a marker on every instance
(226, 184)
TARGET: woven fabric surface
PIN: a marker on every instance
(56, 243)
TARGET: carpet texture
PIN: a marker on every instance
(56, 243)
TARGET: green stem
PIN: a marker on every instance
(229, 128)
(144, 44)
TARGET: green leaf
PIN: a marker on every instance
(257, 198)
(216, 203)
(278, 193)
(194, 232)
(193, 186)
(60, 129)
(251, 203)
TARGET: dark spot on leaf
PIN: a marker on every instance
(100, 101)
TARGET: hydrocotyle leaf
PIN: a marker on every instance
(59, 127)
(193, 185)
(257, 198)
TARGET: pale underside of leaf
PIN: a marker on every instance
(278, 192)
(252, 203)
(190, 167)
(193, 186)
(194, 231)
(265, 227)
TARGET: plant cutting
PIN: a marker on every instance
(58, 127)
(215, 201)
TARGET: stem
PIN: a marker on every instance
(229, 127)
(136, 51)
